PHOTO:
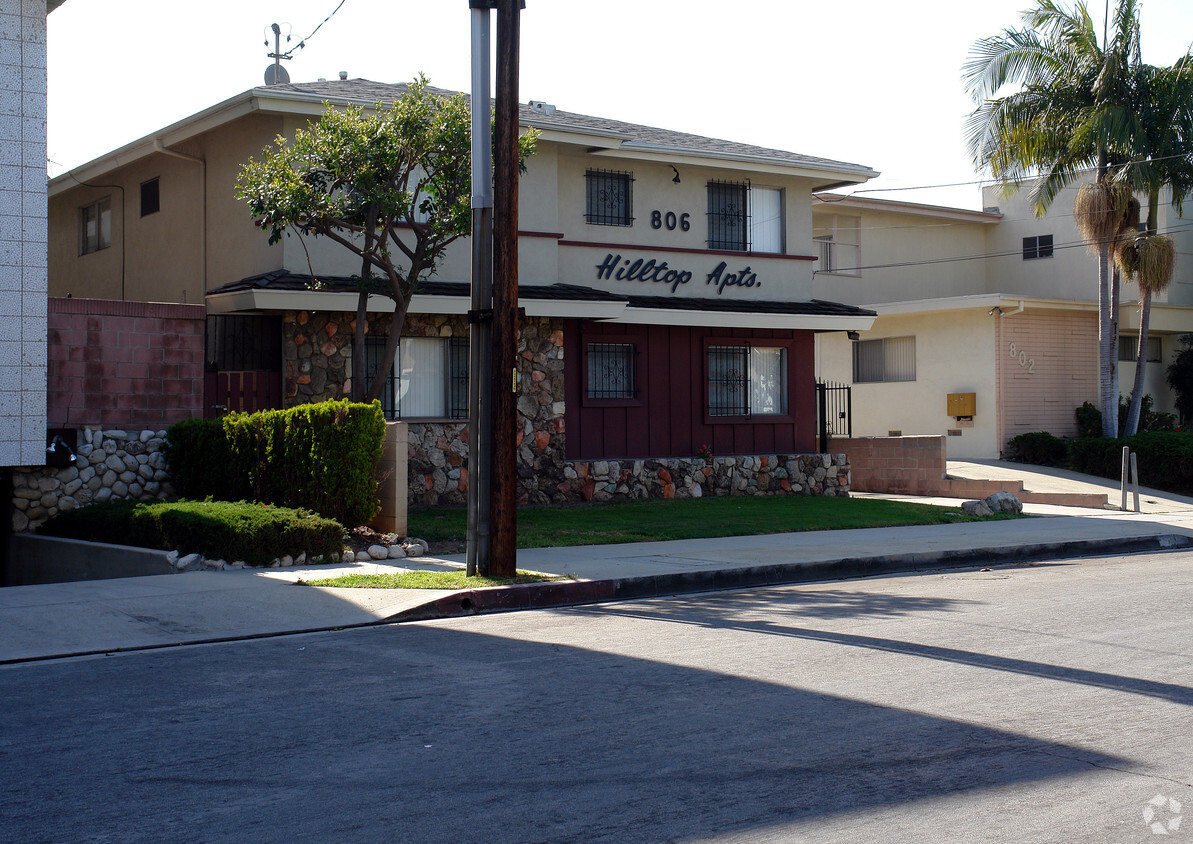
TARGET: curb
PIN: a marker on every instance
(528, 596)
(495, 599)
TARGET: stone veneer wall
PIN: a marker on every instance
(109, 465)
(318, 363)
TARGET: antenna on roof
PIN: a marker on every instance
(275, 74)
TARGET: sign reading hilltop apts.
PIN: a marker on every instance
(614, 267)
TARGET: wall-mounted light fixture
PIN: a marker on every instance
(853, 335)
(995, 310)
(676, 179)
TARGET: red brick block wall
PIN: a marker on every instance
(902, 465)
(129, 365)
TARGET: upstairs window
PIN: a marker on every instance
(150, 197)
(888, 359)
(95, 226)
(429, 378)
(742, 218)
(1039, 246)
(747, 381)
(608, 198)
(838, 244)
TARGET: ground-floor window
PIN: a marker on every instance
(610, 371)
(429, 378)
(888, 359)
(1128, 349)
(747, 380)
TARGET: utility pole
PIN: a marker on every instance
(503, 512)
(480, 316)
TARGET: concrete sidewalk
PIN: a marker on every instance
(99, 616)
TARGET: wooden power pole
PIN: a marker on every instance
(503, 502)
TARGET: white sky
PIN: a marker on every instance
(865, 81)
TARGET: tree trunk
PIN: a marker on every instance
(391, 349)
(359, 360)
(1145, 310)
(1107, 374)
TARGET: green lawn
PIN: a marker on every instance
(429, 580)
(689, 518)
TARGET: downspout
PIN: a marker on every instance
(159, 147)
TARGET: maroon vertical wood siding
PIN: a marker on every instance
(668, 419)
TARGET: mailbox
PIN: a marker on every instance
(962, 404)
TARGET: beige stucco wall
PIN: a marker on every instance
(159, 257)
(954, 354)
(920, 242)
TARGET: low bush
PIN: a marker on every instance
(315, 456)
(1038, 447)
(1165, 458)
(1089, 418)
(254, 533)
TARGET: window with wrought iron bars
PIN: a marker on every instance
(747, 380)
(608, 198)
(727, 215)
(429, 378)
(611, 371)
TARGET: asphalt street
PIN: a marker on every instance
(1048, 702)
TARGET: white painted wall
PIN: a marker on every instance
(954, 354)
(22, 232)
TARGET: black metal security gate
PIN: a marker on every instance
(834, 411)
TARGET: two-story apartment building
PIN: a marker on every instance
(999, 305)
(667, 282)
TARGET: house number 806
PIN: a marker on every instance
(1028, 363)
(658, 220)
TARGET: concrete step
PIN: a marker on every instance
(975, 488)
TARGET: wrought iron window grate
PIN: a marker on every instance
(727, 204)
(728, 381)
(608, 197)
(611, 371)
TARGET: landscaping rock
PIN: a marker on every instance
(363, 557)
(396, 552)
(1004, 502)
(191, 562)
(976, 508)
(378, 552)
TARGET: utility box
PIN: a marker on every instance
(962, 404)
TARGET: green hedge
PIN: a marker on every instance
(320, 457)
(1165, 458)
(1038, 447)
(254, 533)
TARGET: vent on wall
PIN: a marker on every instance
(894, 433)
(954, 432)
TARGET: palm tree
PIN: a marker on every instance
(1070, 113)
(1162, 159)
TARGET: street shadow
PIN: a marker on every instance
(435, 733)
(777, 613)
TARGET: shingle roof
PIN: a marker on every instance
(286, 280)
(367, 92)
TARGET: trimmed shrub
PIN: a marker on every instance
(1165, 458)
(254, 533)
(320, 457)
(1089, 418)
(1038, 447)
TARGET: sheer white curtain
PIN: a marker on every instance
(766, 220)
(421, 382)
(766, 380)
